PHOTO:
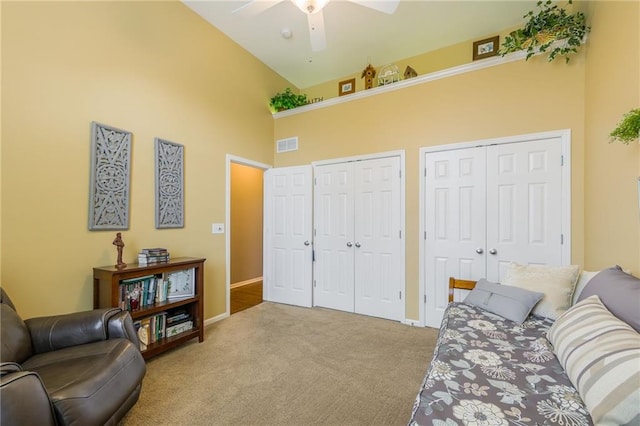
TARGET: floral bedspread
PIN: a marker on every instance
(487, 370)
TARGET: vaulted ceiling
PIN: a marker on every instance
(355, 34)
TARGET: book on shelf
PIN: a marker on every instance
(151, 329)
(179, 328)
(142, 292)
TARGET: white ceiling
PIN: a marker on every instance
(357, 35)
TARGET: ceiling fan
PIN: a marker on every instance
(315, 17)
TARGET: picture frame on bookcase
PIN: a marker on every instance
(181, 283)
(169, 158)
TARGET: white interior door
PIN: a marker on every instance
(359, 262)
(379, 273)
(524, 200)
(333, 237)
(455, 224)
(288, 235)
(488, 206)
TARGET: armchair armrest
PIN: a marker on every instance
(61, 331)
(121, 325)
(24, 398)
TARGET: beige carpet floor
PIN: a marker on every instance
(276, 364)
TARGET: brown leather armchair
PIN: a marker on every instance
(81, 368)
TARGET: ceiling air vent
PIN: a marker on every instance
(285, 145)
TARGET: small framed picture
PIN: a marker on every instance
(181, 283)
(346, 87)
(486, 48)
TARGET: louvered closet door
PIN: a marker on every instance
(455, 223)
(333, 238)
(379, 278)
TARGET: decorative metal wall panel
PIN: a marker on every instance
(169, 184)
(110, 172)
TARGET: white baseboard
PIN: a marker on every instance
(245, 282)
(216, 319)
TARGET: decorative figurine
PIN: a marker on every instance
(368, 74)
(409, 72)
(120, 245)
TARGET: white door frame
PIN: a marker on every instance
(401, 154)
(227, 235)
(565, 141)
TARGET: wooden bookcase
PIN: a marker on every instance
(106, 293)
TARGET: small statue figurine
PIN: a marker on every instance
(120, 245)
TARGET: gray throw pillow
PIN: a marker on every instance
(619, 292)
(512, 303)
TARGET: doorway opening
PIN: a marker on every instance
(244, 238)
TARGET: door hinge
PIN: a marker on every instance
(561, 239)
(400, 294)
(314, 233)
(400, 174)
(313, 255)
(315, 181)
(425, 235)
(425, 298)
(400, 234)
(561, 160)
(425, 172)
(314, 283)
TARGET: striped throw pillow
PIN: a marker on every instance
(601, 356)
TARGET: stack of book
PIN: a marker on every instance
(141, 292)
(177, 322)
(150, 256)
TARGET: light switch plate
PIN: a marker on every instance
(217, 228)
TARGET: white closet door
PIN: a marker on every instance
(333, 239)
(287, 235)
(455, 223)
(379, 273)
(524, 204)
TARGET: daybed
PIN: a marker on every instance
(577, 364)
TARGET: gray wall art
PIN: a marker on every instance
(110, 172)
(169, 184)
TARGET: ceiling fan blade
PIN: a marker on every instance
(255, 7)
(316, 31)
(384, 6)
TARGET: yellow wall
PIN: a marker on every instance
(156, 69)
(612, 217)
(246, 222)
(587, 96)
(447, 57)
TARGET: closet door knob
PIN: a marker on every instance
(493, 251)
(306, 243)
(479, 250)
(358, 245)
(349, 244)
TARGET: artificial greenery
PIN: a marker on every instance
(287, 100)
(550, 24)
(628, 129)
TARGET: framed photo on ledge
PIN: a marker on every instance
(486, 48)
(346, 87)
(181, 283)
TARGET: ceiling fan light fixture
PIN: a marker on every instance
(310, 6)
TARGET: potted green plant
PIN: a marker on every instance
(628, 129)
(552, 23)
(287, 100)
